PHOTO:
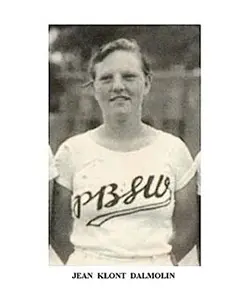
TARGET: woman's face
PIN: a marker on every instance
(120, 84)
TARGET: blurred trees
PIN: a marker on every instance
(166, 45)
(56, 87)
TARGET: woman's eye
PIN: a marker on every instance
(106, 78)
(129, 76)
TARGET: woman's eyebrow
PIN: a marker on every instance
(104, 75)
(130, 72)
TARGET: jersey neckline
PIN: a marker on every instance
(158, 135)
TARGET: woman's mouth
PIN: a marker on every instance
(119, 98)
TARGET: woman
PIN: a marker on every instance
(126, 184)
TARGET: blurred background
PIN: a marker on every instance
(173, 104)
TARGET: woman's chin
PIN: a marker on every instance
(122, 114)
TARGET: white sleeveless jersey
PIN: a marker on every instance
(122, 202)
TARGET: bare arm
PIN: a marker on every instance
(61, 221)
(185, 221)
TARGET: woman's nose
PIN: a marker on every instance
(118, 85)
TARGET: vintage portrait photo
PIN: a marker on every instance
(124, 145)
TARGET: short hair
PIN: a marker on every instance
(129, 45)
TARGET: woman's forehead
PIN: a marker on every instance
(119, 60)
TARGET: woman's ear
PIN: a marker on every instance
(88, 84)
(148, 82)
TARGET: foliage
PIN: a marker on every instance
(166, 45)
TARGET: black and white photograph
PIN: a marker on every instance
(124, 145)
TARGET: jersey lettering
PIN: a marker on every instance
(110, 192)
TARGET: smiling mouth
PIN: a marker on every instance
(120, 97)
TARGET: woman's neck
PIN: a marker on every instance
(123, 129)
